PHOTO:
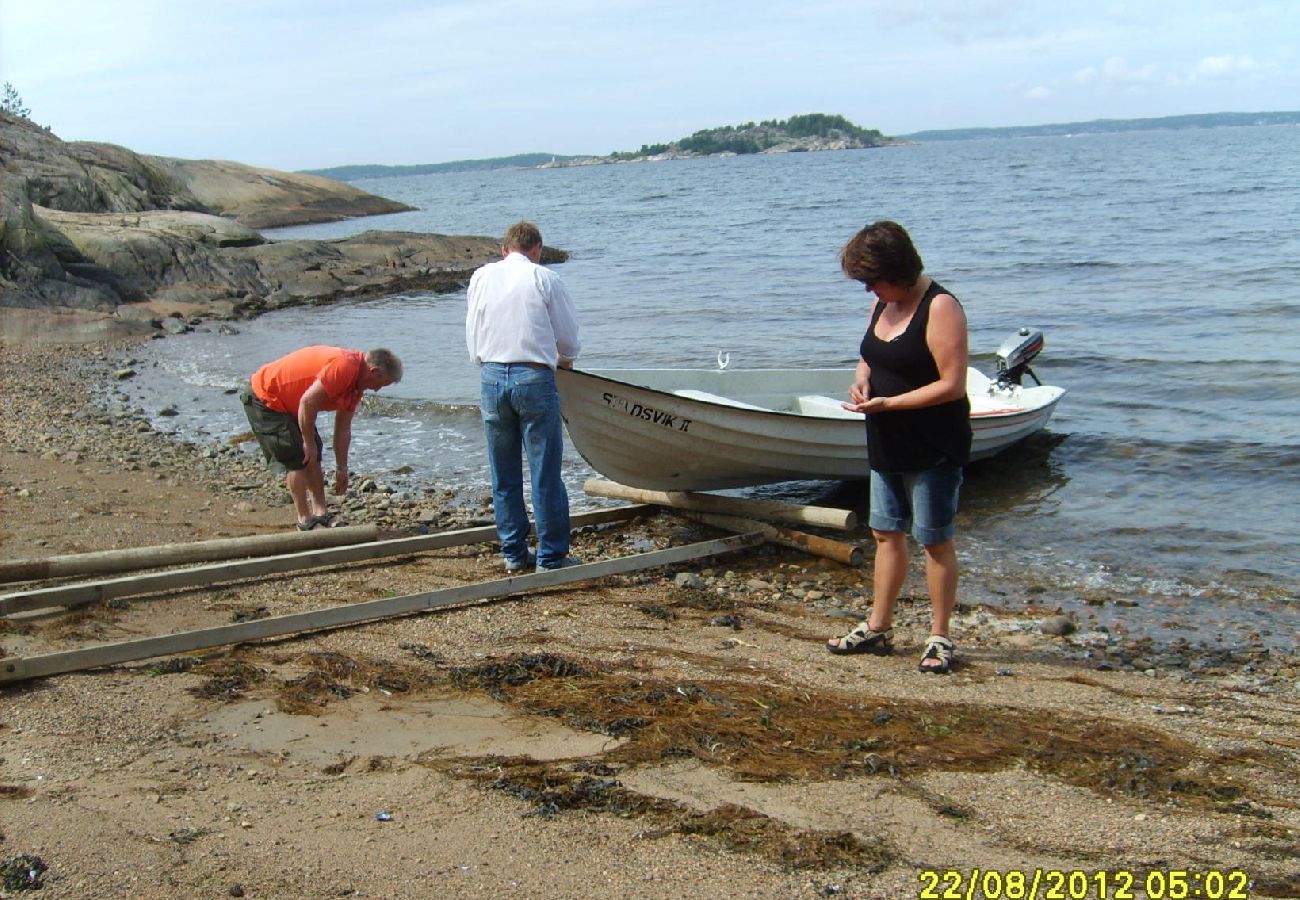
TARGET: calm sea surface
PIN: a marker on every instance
(1163, 267)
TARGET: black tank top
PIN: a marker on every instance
(911, 440)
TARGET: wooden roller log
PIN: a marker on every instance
(131, 558)
(797, 513)
(839, 551)
(83, 592)
(521, 586)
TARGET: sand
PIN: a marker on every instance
(644, 735)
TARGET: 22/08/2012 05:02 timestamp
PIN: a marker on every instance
(1077, 884)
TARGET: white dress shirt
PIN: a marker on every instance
(520, 312)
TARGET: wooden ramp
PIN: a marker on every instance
(738, 515)
(87, 592)
(23, 668)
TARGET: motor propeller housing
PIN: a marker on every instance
(1016, 353)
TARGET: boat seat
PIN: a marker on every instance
(824, 407)
(706, 397)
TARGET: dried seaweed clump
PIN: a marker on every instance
(495, 677)
(22, 873)
(767, 733)
(336, 676)
(551, 791)
(227, 679)
(173, 666)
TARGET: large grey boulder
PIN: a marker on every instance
(140, 255)
(83, 176)
(264, 198)
(86, 176)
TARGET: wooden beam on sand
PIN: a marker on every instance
(85, 593)
(132, 558)
(23, 668)
(795, 513)
(839, 551)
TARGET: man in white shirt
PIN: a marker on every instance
(520, 326)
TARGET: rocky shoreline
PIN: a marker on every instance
(99, 243)
(459, 751)
(91, 421)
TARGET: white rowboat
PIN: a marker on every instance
(699, 430)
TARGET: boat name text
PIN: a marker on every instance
(647, 413)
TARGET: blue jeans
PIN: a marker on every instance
(925, 500)
(521, 414)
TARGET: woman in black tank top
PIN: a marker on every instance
(911, 383)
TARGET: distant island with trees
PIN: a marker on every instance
(797, 134)
(806, 133)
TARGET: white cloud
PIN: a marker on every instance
(1037, 93)
(1116, 70)
(1228, 66)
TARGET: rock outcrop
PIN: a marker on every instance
(113, 241)
(264, 198)
(84, 176)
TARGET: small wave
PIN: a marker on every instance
(398, 407)
(1263, 460)
(1066, 265)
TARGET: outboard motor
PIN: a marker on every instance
(1015, 354)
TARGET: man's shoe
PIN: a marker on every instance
(514, 566)
(562, 564)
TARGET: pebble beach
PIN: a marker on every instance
(135, 781)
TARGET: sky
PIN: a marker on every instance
(303, 84)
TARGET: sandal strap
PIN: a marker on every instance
(864, 634)
(938, 647)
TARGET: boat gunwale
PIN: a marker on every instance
(990, 416)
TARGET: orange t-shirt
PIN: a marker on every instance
(281, 384)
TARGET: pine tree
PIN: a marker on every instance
(11, 103)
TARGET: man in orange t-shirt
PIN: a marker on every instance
(282, 400)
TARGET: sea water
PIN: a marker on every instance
(1162, 266)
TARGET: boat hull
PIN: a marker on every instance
(739, 428)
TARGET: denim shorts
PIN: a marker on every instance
(925, 501)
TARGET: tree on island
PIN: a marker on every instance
(11, 103)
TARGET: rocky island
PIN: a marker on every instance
(798, 134)
(98, 241)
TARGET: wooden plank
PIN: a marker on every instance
(129, 559)
(796, 513)
(839, 551)
(98, 591)
(23, 668)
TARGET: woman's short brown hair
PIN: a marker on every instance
(882, 251)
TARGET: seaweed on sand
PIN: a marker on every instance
(227, 679)
(336, 676)
(774, 733)
(551, 790)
